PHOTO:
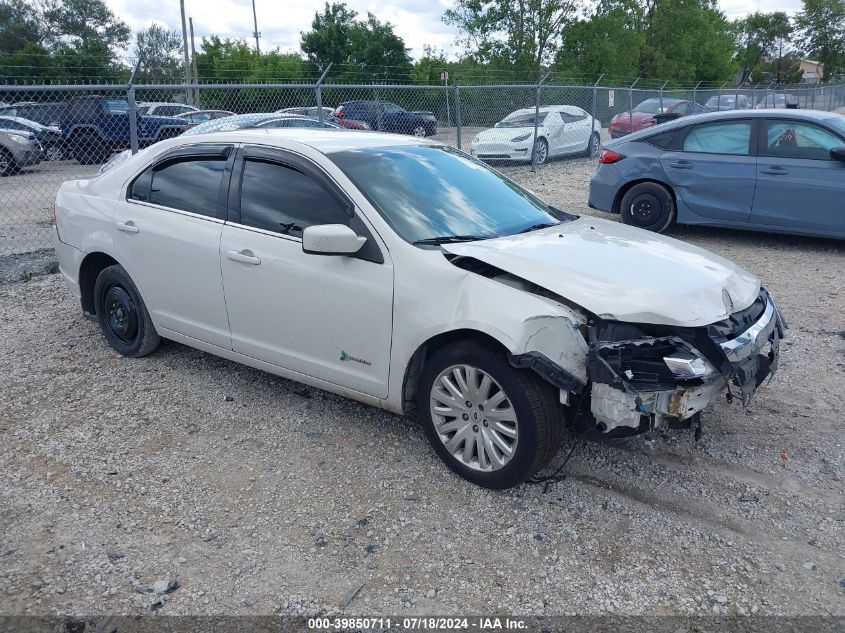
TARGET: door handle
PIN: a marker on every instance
(775, 171)
(127, 227)
(244, 257)
(681, 164)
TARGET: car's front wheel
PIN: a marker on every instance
(491, 423)
(122, 314)
(649, 206)
(7, 163)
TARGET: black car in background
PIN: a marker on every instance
(385, 116)
(49, 137)
(47, 113)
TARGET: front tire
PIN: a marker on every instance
(122, 314)
(8, 166)
(491, 423)
(648, 206)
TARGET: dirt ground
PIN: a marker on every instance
(258, 495)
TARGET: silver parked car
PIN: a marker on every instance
(18, 150)
(764, 170)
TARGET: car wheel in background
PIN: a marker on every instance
(594, 145)
(7, 163)
(649, 206)
(89, 149)
(419, 130)
(541, 151)
(54, 153)
(491, 423)
(122, 315)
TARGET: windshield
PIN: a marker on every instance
(117, 106)
(427, 192)
(521, 120)
(652, 106)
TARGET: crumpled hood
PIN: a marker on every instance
(622, 273)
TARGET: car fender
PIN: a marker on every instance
(538, 332)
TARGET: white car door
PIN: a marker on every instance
(325, 316)
(577, 129)
(167, 237)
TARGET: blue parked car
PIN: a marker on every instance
(776, 171)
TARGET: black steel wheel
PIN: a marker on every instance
(649, 206)
(122, 314)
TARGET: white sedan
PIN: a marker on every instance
(561, 130)
(409, 276)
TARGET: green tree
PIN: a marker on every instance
(761, 36)
(428, 67)
(688, 40)
(520, 33)
(822, 25)
(329, 38)
(159, 54)
(84, 21)
(359, 49)
(608, 42)
(19, 26)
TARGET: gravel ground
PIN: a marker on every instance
(186, 484)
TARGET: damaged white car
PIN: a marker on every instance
(407, 275)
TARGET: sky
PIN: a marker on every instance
(280, 22)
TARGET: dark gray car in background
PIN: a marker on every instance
(765, 170)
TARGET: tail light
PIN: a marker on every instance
(339, 114)
(608, 157)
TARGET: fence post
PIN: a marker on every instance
(661, 95)
(695, 93)
(458, 113)
(595, 101)
(132, 110)
(537, 124)
(631, 104)
(318, 93)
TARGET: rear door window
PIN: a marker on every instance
(186, 183)
(732, 137)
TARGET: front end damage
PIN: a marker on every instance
(634, 378)
(643, 377)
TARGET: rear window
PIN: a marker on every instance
(719, 138)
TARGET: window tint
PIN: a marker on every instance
(719, 138)
(572, 118)
(279, 198)
(791, 139)
(682, 109)
(189, 184)
(664, 140)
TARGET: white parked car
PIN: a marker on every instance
(407, 275)
(561, 129)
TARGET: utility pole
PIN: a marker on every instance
(196, 78)
(185, 51)
(255, 33)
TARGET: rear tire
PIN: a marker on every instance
(122, 314)
(593, 145)
(419, 131)
(89, 149)
(533, 437)
(648, 206)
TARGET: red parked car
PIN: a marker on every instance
(647, 114)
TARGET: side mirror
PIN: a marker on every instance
(838, 153)
(331, 239)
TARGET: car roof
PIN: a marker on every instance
(724, 115)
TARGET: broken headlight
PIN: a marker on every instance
(647, 364)
(688, 366)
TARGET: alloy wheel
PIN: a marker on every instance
(474, 418)
(419, 131)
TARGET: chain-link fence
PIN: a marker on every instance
(50, 134)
